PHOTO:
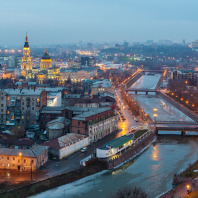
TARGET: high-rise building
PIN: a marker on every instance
(85, 61)
(26, 64)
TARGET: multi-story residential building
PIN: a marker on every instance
(102, 86)
(23, 159)
(184, 75)
(95, 123)
(20, 107)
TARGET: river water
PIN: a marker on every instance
(152, 170)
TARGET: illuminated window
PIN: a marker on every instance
(8, 112)
(22, 117)
(8, 98)
(37, 100)
(12, 117)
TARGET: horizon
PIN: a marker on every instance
(61, 22)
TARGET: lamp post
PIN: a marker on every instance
(188, 188)
(31, 168)
(20, 156)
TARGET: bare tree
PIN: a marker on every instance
(129, 192)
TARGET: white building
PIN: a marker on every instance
(66, 145)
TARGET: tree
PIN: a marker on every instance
(129, 192)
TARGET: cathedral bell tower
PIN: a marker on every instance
(26, 64)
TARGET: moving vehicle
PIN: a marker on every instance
(83, 149)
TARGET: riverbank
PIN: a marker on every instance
(38, 187)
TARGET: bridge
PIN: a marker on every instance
(182, 129)
(143, 90)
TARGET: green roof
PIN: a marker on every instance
(118, 142)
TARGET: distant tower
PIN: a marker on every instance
(46, 61)
(26, 64)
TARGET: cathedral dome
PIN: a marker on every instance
(46, 56)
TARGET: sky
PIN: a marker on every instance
(70, 21)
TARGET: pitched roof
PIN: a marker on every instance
(64, 141)
(36, 151)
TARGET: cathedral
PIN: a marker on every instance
(42, 72)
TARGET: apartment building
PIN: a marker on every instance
(20, 107)
(96, 123)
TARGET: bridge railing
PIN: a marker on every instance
(175, 122)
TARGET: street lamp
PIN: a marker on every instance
(20, 156)
(188, 188)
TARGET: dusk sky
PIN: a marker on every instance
(67, 21)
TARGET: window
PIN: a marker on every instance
(37, 100)
(32, 161)
(8, 98)
(18, 160)
(1, 105)
(78, 131)
(7, 158)
(13, 165)
(32, 108)
(78, 123)
(13, 158)
(24, 161)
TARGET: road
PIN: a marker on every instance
(125, 125)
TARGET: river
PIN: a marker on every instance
(152, 170)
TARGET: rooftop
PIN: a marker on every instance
(24, 92)
(118, 142)
(36, 151)
(64, 141)
(91, 112)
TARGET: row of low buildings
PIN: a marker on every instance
(63, 136)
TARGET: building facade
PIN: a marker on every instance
(23, 159)
(20, 107)
(96, 123)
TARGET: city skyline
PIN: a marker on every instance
(50, 22)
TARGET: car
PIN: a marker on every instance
(83, 149)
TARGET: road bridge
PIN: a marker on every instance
(182, 129)
(143, 90)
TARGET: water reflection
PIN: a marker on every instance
(155, 153)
